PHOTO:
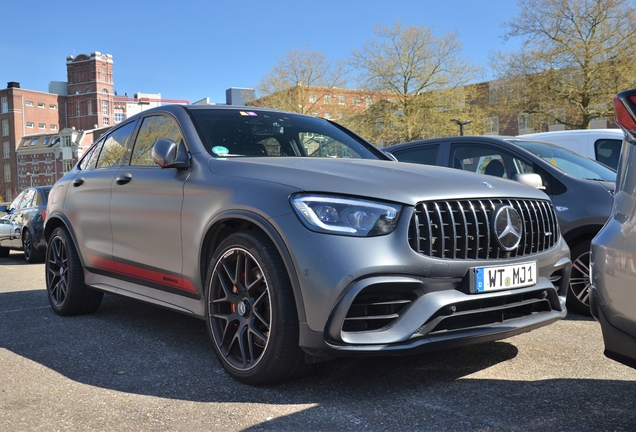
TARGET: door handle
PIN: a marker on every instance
(78, 182)
(123, 179)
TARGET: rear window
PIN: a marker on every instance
(607, 151)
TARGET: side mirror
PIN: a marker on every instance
(164, 153)
(530, 179)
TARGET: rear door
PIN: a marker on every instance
(88, 199)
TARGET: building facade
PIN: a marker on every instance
(72, 114)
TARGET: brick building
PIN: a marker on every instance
(43, 134)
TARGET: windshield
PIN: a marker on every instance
(568, 161)
(231, 133)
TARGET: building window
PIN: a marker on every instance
(40, 104)
(105, 91)
(7, 173)
(526, 123)
(48, 170)
(28, 103)
(341, 100)
(355, 101)
(41, 125)
(53, 106)
(105, 107)
(6, 150)
(4, 105)
(119, 117)
(492, 126)
(89, 106)
(30, 125)
(106, 121)
(312, 98)
(88, 90)
(327, 99)
(368, 101)
(77, 109)
(5, 127)
(53, 127)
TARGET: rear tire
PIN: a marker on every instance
(578, 297)
(31, 254)
(65, 278)
(251, 313)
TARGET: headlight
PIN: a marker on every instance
(346, 216)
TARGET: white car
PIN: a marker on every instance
(603, 145)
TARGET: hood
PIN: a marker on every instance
(401, 182)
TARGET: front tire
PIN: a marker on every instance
(251, 313)
(578, 297)
(65, 278)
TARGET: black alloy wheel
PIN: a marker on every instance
(30, 252)
(578, 298)
(251, 313)
(65, 278)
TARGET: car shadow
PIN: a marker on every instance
(136, 348)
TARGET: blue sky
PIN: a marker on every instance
(196, 49)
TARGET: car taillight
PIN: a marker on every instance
(43, 215)
(625, 112)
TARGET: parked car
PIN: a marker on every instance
(602, 145)
(613, 288)
(8, 231)
(26, 214)
(297, 241)
(580, 188)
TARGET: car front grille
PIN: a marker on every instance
(463, 229)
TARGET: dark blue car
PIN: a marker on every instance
(26, 216)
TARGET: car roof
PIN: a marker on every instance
(599, 132)
(492, 138)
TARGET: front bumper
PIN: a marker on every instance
(378, 296)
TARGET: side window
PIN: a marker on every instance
(17, 202)
(607, 151)
(423, 155)
(90, 158)
(24, 200)
(490, 160)
(152, 129)
(114, 148)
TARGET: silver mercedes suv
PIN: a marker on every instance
(297, 241)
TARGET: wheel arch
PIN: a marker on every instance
(580, 234)
(57, 220)
(228, 223)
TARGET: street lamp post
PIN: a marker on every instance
(30, 178)
(461, 125)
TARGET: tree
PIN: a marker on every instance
(299, 81)
(417, 74)
(575, 56)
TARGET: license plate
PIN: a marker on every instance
(505, 277)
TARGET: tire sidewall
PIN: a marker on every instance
(74, 274)
(283, 314)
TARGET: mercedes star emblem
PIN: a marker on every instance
(508, 227)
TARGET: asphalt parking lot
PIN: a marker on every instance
(131, 366)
